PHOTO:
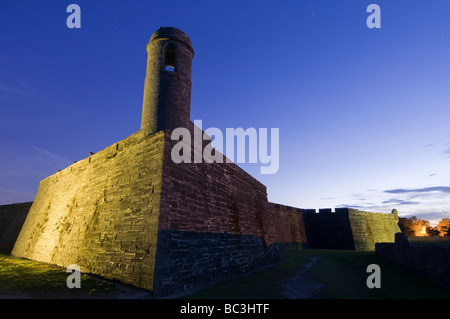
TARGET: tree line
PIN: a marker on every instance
(413, 226)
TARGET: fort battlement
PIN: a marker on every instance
(327, 211)
(339, 228)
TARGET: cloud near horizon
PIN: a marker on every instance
(442, 189)
(400, 202)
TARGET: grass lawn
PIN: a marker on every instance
(342, 275)
(21, 278)
(264, 283)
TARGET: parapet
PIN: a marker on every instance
(285, 207)
(321, 211)
(174, 34)
(327, 211)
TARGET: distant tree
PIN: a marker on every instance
(443, 227)
(433, 231)
(421, 227)
(407, 225)
(414, 226)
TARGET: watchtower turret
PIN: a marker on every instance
(167, 90)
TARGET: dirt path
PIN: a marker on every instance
(301, 286)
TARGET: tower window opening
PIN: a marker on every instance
(170, 60)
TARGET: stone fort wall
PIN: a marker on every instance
(214, 224)
(101, 213)
(289, 226)
(130, 213)
(371, 228)
(345, 228)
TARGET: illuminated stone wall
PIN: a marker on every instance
(101, 213)
(345, 228)
(12, 218)
(370, 228)
(130, 213)
(348, 228)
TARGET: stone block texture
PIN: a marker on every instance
(371, 228)
(131, 214)
(328, 230)
(289, 226)
(214, 224)
(101, 213)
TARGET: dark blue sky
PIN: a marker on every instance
(361, 112)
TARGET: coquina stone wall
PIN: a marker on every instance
(130, 213)
(345, 228)
(371, 228)
(214, 224)
(101, 213)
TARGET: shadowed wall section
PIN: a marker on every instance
(345, 228)
(130, 213)
(12, 218)
(289, 226)
(327, 229)
(214, 224)
(430, 259)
